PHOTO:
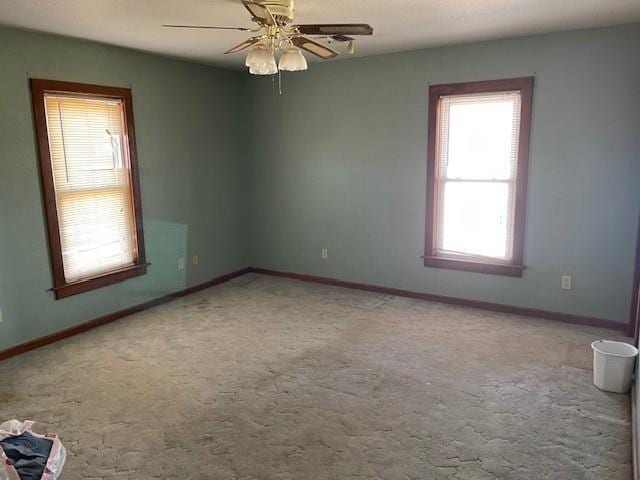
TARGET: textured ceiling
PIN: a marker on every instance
(400, 24)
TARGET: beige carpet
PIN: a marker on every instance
(266, 378)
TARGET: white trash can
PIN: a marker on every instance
(613, 364)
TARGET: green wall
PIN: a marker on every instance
(192, 159)
(341, 165)
(336, 162)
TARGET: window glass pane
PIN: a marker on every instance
(475, 219)
(97, 236)
(92, 184)
(479, 136)
(85, 136)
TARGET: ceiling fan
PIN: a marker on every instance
(277, 33)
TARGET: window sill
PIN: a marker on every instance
(471, 266)
(70, 289)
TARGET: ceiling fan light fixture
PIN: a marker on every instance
(292, 60)
(275, 33)
(261, 61)
(259, 55)
(253, 56)
(264, 70)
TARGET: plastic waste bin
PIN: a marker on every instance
(613, 364)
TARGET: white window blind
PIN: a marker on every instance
(477, 155)
(92, 179)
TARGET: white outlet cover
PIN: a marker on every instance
(567, 282)
(181, 264)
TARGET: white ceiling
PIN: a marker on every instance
(399, 24)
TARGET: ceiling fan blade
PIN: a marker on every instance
(242, 29)
(259, 13)
(316, 48)
(244, 45)
(336, 29)
(337, 38)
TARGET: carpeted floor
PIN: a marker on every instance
(267, 378)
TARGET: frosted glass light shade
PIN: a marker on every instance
(254, 56)
(292, 60)
(261, 61)
(269, 69)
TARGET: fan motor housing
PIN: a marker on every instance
(282, 10)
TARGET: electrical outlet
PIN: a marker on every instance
(181, 264)
(0, 315)
(195, 260)
(567, 282)
(325, 254)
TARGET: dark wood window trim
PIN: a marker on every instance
(61, 288)
(515, 268)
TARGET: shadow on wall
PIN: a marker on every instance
(165, 243)
(24, 319)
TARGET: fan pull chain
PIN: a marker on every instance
(273, 83)
(273, 88)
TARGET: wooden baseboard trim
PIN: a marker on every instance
(494, 307)
(97, 322)
(634, 433)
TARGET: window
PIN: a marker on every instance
(477, 175)
(90, 184)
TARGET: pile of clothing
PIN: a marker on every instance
(26, 455)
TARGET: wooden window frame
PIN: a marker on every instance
(515, 268)
(62, 288)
